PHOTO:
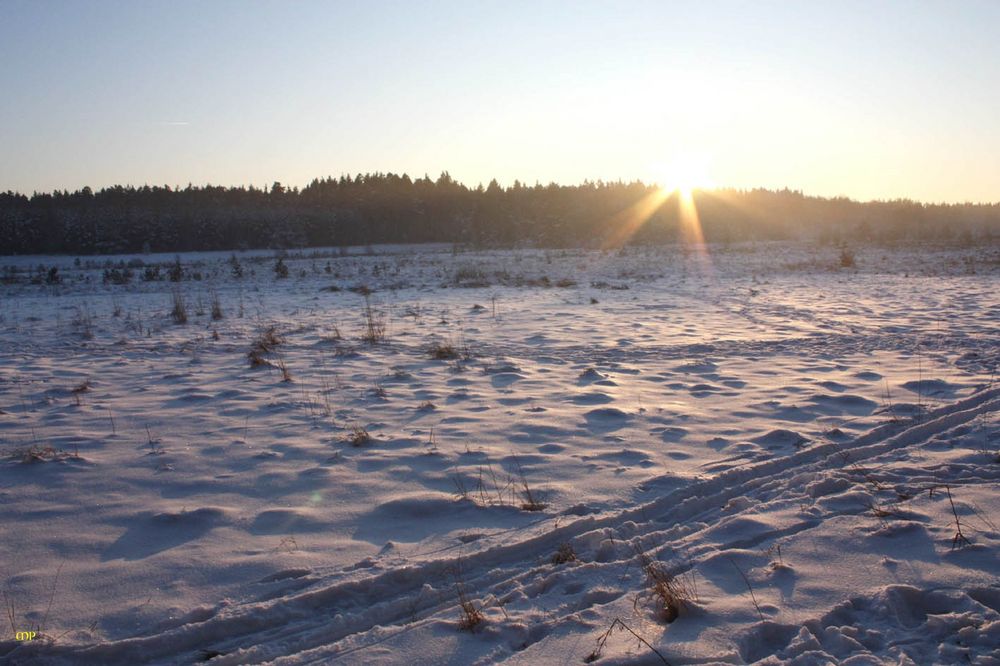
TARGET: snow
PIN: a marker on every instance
(794, 444)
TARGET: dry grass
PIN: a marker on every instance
(178, 311)
(673, 595)
(80, 389)
(83, 322)
(431, 444)
(753, 597)
(470, 276)
(471, 617)
(37, 453)
(374, 331)
(959, 539)
(359, 437)
(334, 335)
(443, 351)
(603, 639)
(263, 345)
(286, 374)
(529, 501)
(19, 625)
(217, 313)
(883, 511)
(564, 554)
(493, 490)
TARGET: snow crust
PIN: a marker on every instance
(797, 444)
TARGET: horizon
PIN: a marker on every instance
(714, 189)
(815, 99)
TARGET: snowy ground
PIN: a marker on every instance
(789, 445)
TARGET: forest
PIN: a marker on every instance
(380, 208)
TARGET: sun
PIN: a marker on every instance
(684, 174)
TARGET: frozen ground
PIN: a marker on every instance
(790, 444)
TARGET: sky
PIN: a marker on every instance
(870, 100)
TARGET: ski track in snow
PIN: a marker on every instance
(310, 624)
(858, 585)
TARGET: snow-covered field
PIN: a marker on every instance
(802, 459)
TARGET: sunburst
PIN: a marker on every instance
(680, 180)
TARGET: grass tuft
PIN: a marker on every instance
(178, 311)
(264, 344)
(673, 595)
(443, 351)
(374, 331)
(471, 617)
(217, 313)
(529, 502)
(359, 437)
(564, 554)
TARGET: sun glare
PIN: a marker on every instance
(684, 174)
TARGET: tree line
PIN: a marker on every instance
(380, 208)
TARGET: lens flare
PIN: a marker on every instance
(625, 223)
(681, 180)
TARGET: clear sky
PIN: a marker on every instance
(873, 100)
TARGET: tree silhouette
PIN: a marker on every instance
(389, 208)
